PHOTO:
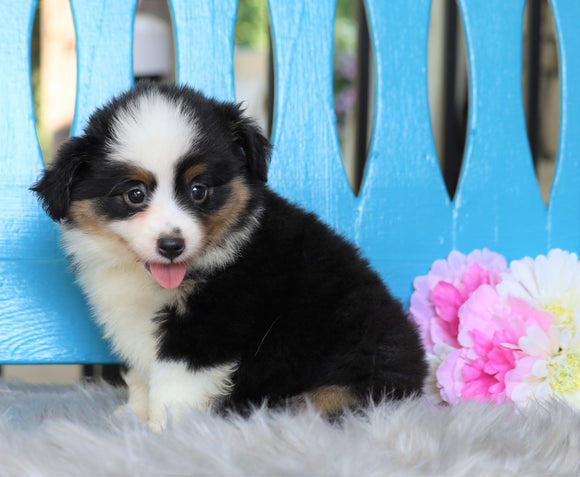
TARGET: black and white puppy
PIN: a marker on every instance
(209, 286)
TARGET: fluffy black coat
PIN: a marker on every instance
(298, 310)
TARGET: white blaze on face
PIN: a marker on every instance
(153, 134)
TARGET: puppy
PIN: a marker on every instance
(211, 287)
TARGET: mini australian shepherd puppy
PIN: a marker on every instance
(213, 289)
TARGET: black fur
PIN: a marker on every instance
(56, 186)
(298, 310)
(303, 310)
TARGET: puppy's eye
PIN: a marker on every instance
(135, 196)
(198, 193)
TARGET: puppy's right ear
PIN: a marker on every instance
(54, 188)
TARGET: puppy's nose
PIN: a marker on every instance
(170, 247)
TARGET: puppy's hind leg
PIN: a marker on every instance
(331, 400)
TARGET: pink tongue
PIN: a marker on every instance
(168, 276)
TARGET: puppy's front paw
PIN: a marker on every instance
(174, 389)
(160, 415)
(126, 410)
(138, 401)
(122, 412)
(158, 422)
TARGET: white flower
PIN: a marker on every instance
(549, 283)
(551, 366)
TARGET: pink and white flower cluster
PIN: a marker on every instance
(501, 334)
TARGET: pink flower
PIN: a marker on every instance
(496, 334)
(439, 295)
(450, 376)
(488, 334)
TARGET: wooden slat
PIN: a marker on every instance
(403, 215)
(43, 317)
(306, 164)
(22, 222)
(104, 30)
(498, 203)
(564, 206)
(204, 44)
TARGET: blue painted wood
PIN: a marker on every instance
(402, 219)
(306, 149)
(204, 47)
(43, 317)
(104, 30)
(404, 214)
(498, 166)
(563, 226)
(406, 217)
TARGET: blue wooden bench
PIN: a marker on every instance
(403, 218)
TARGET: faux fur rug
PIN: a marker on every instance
(57, 430)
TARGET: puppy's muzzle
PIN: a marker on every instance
(170, 247)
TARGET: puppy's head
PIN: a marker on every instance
(168, 176)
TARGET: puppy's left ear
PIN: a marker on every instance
(248, 137)
(54, 188)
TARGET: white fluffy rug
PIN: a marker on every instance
(57, 430)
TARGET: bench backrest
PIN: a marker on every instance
(403, 218)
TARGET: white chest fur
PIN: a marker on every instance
(125, 300)
(123, 297)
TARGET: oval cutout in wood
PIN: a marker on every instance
(541, 89)
(54, 73)
(448, 86)
(153, 42)
(353, 87)
(253, 62)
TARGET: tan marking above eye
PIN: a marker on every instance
(194, 171)
(143, 176)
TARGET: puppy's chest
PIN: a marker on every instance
(125, 303)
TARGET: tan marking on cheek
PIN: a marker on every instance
(219, 224)
(331, 399)
(84, 215)
(194, 171)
